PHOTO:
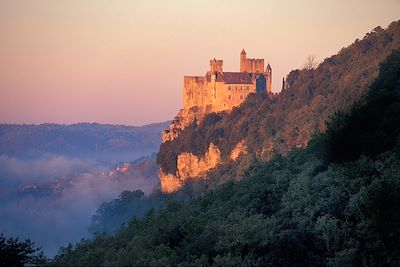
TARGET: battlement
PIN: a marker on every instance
(216, 65)
(251, 65)
(193, 79)
(194, 93)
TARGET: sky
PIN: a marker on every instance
(123, 61)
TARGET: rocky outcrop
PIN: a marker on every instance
(190, 166)
(184, 118)
(240, 149)
(169, 182)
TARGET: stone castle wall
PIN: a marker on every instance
(195, 92)
(253, 65)
(214, 96)
(216, 65)
(229, 96)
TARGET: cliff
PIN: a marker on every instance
(185, 117)
(334, 203)
(262, 126)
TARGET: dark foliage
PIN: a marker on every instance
(373, 128)
(309, 208)
(110, 216)
(19, 253)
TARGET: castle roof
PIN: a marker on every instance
(232, 77)
(243, 52)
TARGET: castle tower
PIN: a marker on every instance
(243, 61)
(268, 78)
(216, 65)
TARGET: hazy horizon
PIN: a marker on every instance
(123, 62)
(83, 122)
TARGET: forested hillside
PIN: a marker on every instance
(274, 124)
(335, 202)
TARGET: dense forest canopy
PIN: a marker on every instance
(336, 203)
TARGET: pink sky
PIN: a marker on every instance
(122, 62)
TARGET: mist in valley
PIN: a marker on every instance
(50, 198)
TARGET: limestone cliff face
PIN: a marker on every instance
(190, 166)
(169, 182)
(240, 149)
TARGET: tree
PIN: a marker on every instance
(311, 63)
(19, 253)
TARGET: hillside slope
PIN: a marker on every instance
(314, 207)
(263, 126)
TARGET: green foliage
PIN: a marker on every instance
(316, 206)
(19, 253)
(110, 216)
(290, 211)
(372, 128)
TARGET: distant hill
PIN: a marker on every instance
(104, 142)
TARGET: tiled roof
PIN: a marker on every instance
(232, 77)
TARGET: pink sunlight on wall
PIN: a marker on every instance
(122, 62)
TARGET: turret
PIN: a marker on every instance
(268, 78)
(216, 65)
(268, 69)
(243, 61)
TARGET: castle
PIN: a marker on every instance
(218, 90)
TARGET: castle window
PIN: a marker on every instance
(236, 88)
(229, 88)
(247, 88)
(229, 97)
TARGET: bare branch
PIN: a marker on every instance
(311, 63)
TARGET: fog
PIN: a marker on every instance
(51, 199)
